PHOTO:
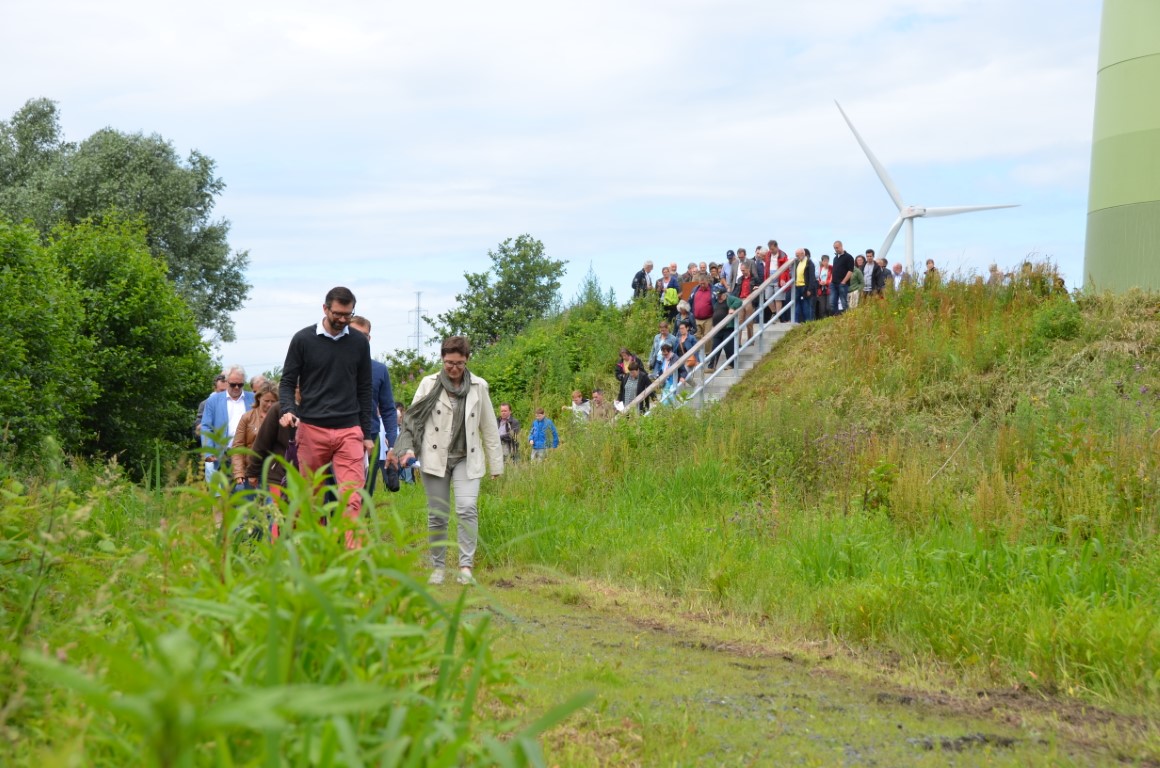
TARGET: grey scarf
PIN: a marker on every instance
(415, 420)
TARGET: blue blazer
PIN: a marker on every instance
(384, 401)
(217, 418)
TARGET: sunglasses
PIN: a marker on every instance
(241, 384)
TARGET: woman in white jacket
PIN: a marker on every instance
(451, 426)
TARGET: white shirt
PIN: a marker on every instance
(320, 329)
(236, 409)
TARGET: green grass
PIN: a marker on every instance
(962, 476)
(131, 634)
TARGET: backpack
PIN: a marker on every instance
(671, 297)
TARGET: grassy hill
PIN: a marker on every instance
(957, 475)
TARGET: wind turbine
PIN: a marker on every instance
(907, 213)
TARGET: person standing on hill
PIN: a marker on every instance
(805, 285)
(932, 277)
(856, 280)
(331, 366)
(899, 277)
(869, 272)
(642, 282)
(822, 299)
(840, 279)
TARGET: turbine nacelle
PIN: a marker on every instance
(913, 212)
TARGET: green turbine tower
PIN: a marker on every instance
(1122, 249)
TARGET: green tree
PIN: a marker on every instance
(146, 352)
(49, 181)
(45, 383)
(525, 289)
(407, 367)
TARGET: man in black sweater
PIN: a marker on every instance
(840, 274)
(331, 365)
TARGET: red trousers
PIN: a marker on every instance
(343, 449)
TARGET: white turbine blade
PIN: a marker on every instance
(883, 176)
(953, 209)
(893, 233)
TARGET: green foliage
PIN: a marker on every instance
(1057, 319)
(407, 368)
(45, 382)
(144, 342)
(49, 182)
(576, 349)
(525, 289)
(97, 351)
(152, 643)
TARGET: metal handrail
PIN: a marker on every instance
(701, 343)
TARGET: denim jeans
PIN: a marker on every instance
(803, 306)
(839, 298)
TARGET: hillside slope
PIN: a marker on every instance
(960, 475)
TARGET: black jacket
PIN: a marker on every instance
(811, 277)
(642, 383)
(640, 284)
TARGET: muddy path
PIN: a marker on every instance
(673, 689)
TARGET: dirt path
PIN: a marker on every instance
(689, 690)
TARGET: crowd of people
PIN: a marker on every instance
(706, 295)
(333, 416)
(333, 412)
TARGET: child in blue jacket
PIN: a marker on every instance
(538, 435)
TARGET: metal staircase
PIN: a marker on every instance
(702, 385)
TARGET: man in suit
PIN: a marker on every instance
(223, 411)
(384, 403)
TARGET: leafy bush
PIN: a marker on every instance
(1057, 319)
(161, 646)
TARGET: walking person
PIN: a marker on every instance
(453, 427)
(509, 432)
(330, 365)
(385, 418)
(538, 436)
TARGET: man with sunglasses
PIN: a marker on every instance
(223, 411)
(330, 363)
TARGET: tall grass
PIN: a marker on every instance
(961, 474)
(132, 635)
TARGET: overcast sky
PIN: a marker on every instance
(388, 146)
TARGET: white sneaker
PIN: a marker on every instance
(436, 577)
(465, 577)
